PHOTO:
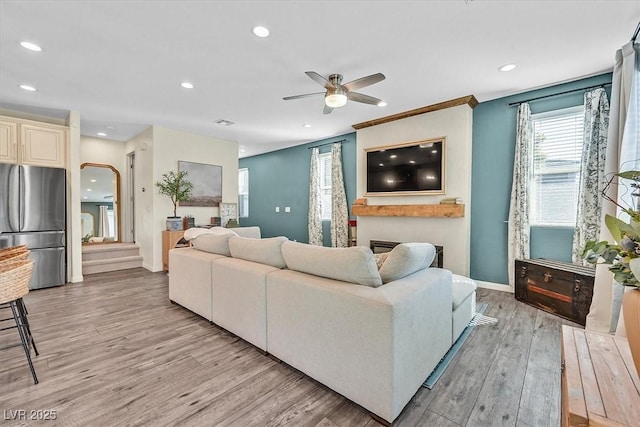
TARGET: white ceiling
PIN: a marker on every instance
(120, 64)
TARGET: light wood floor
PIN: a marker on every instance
(114, 351)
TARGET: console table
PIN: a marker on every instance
(170, 240)
(600, 386)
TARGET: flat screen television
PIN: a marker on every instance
(411, 168)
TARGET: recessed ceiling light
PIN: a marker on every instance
(260, 31)
(31, 46)
(393, 156)
(28, 88)
(92, 180)
(242, 150)
(306, 125)
(412, 161)
(101, 134)
(507, 67)
(88, 189)
(187, 85)
(382, 104)
(85, 197)
(434, 151)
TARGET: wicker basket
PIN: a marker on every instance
(14, 279)
(11, 252)
(17, 256)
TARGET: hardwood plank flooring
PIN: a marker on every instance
(115, 352)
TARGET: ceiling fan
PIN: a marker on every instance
(336, 93)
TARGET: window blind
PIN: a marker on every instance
(557, 151)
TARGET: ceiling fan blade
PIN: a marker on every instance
(327, 109)
(320, 80)
(287, 98)
(365, 99)
(364, 81)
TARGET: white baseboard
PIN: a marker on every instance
(494, 286)
(77, 278)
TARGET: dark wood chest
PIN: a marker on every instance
(560, 288)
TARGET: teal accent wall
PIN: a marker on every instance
(494, 135)
(281, 178)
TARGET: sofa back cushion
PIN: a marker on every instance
(405, 259)
(264, 251)
(215, 240)
(353, 265)
(253, 232)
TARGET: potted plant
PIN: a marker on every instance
(624, 257)
(178, 188)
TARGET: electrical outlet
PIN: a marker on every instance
(277, 208)
(287, 209)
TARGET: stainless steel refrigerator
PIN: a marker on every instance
(33, 213)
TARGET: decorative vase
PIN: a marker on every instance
(174, 223)
(631, 314)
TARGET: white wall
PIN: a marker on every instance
(104, 151)
(74, 227)
(142, 145)
(170, 146)
(453, 233)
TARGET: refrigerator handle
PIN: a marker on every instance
(21, 191)
(14, 199)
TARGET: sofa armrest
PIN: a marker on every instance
(373, 345)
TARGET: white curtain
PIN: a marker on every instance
(592, 179)
(623, 152)
(103, 222)
(339, 210)
(315, 200)
(518, 234)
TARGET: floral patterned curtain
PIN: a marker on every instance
(623, 153)
(315, 200)
(592, 179)
(339, 210)
(518, 234)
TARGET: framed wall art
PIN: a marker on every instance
(207, 183)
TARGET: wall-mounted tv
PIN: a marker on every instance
(410, 168)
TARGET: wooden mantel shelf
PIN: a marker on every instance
(431, 210)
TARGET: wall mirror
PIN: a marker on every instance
(100, 203)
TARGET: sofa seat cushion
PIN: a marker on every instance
(263, 251)
(462, 288)
(406, 259)
(353, 265)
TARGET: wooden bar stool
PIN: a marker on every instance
(15, 276)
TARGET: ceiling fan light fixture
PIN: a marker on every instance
(335, 100)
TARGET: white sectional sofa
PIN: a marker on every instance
(371, 335)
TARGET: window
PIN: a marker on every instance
(557, 151)
(325, 184)
(243, 192)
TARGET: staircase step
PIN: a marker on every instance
(111, 264)
(110, 250)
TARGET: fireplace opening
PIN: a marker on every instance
(380, 246)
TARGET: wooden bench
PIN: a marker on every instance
(600, 386)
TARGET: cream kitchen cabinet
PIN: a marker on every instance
(29, 142)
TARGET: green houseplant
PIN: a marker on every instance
(624, 257)
(176, 186)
